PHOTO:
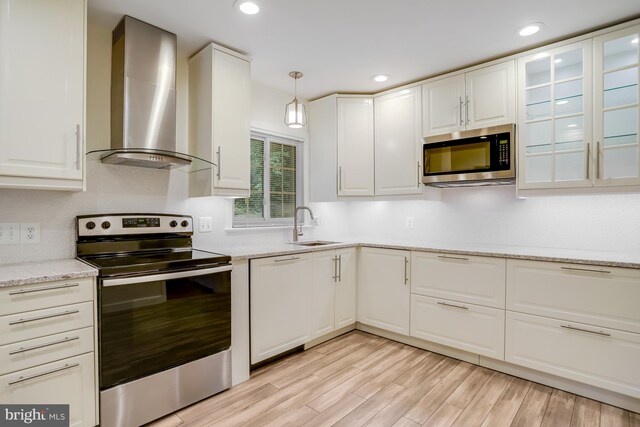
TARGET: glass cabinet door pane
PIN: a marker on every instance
(571, 166)
(569, 98)
(539, 72)
(570, 134)
(620, 162)
(538, 168)
(539, 137)
(568, 65)
(621, 87)
(538, 102)
(621, 52)
(621, 126)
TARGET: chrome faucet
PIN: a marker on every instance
(297, 232)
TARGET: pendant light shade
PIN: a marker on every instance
(295, 113)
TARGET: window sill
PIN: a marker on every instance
(265, 228)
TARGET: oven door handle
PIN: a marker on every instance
(165, 276)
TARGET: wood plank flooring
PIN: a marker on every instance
(360, 379)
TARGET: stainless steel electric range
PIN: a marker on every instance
(164, 315)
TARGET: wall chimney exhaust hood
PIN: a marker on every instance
(143, 98)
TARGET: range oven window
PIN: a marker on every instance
(150, 326)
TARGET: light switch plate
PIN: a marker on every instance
(206, 224)
(30, 232)
(9, 233)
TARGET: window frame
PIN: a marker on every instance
(266, 221)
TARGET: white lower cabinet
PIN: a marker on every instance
(280, 298)
(68, 381)
(333, 300)
(384, 289)
(464, 326)
(601, 357)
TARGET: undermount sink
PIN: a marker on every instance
(313, 243)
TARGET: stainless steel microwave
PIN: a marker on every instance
(476, 157)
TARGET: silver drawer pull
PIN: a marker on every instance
(293, 258)
(463, 307)
(573, 328)
(47, 316)
(461, 258)
(63, 368)
(36, 347)
(586, 269)
(46, 288)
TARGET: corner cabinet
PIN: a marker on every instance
(478, 98)
(42, 94)
(398, 142)
(219, 116)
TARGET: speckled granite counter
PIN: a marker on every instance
(602, 258)
(43, 271)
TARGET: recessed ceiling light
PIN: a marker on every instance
(557, 60)
(248, 7)
(380, 78)
(562, 102)
(530, 29)
(635, 41)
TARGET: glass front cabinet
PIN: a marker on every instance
(579, 115)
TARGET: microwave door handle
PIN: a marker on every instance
(165, 276)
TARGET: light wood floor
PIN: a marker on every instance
(361, 379)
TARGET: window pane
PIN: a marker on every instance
(252, 208)
(276, 206)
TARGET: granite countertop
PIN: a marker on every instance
(588, 257)
(43, 271)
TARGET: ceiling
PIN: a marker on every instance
(340, 44)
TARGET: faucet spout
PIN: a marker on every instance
(297, 232)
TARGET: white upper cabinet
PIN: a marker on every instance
(479, 98)
(616, 113)
(42, 91)
(398, 142)
(355, 146)
(555, 132)
(219, 115)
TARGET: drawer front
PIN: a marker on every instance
(38, 351)
(45, 295)
(594, 295)
(39, 323)
(602, 357)
(70, 381)
(460, 325)
(476, 280)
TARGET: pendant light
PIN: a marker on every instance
(295, 113)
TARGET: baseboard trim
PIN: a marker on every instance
(330, 336)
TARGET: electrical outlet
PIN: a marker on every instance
(408, 222)
(206, 224)
(9, 233)
(30, 232)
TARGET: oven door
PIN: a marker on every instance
(156, 322)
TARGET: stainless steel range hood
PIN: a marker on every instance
(143, 97)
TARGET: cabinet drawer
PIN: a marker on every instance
(70, 381)
(25, 354)
(39, 323)
(594, 295)
(44, 295)
(598, 356)
(472, 279)
(465, 326)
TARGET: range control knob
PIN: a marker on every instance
(184, 223)
(91, 225)
(173, 223)
(105, 224)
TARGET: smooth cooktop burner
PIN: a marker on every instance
(152, 261)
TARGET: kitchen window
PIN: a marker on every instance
(276, 183)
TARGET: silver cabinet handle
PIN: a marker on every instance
(466, 109)
(219, 154)
(418, 174)
(47, 316)
(35, 347)
(573, 328)
(461, 121)
(46, 288)
(339, 268)
(335, 269)
(588, 157)
(406, 278)
(461, 258)
(78, 146)
(598, 159)
(590, 270)
(339, 178)
(462, 307)
(42, 374)
(293, 258)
